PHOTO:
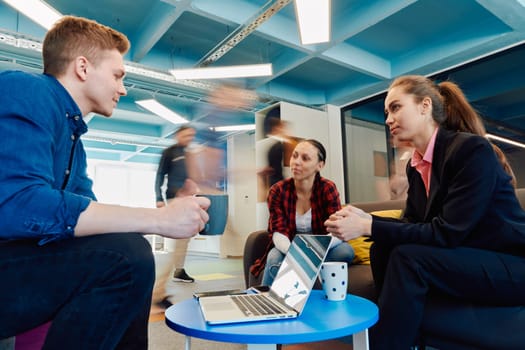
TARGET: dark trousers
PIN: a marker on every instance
(405, 274)
(96, 290)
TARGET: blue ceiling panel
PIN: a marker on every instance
(320, 74)
(479, 43)
(111, 147)
(192, 36)
(124, 126)
(144, 158)
(426, 24)
(371, 111)
(102, 154)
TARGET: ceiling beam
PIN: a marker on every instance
(242, 32)
(512, 13)
(161, 17)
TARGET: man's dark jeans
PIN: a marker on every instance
(96, 290)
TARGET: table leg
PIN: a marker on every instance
(262, 347)
(187, 343)
(360, 340)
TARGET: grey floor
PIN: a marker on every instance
(210, 274)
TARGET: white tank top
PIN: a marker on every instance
(303, 223)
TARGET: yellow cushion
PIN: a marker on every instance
(361, 246)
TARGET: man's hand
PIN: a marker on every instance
(183, 217)
(359, 212)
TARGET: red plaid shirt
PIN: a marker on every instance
(281, 201)
(283, 198)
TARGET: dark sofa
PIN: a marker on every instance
(488, 327)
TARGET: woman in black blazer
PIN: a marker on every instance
(463, 230)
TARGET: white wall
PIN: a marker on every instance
(336, 165)
(129, 184)
(242, 184)
(309, 123)
(362, 139)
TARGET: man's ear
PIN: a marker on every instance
(81, 66)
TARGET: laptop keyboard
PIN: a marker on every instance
(256, 305)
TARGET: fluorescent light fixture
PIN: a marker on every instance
(234, 127)
(162, 111)
(242, 71)
(37, 10)
(313, 18)
(503, 139)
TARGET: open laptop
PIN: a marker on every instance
(288, 293)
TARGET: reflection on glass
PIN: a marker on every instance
(299, 269)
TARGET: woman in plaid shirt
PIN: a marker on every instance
(300, 205)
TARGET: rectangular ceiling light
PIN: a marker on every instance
(162, 111)
(242, 71)
(503, 139)
(313, 19)
(37, 10)
(234, 127)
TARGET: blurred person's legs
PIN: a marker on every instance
(179, 257)
(273, 262)
(341, 252)
(177, 249)
(96, 290)
(164, 261)
(173, 256)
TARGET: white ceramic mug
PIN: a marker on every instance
(334, 277)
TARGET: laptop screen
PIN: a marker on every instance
(299, 269)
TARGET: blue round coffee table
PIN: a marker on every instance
(320, 320)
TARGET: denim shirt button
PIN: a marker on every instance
(67, 172)
(73, 137)
(77, 117)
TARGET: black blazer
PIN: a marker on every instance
(471, 201)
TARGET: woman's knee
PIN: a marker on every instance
(342, 252)
(273, 262)
(274, 257)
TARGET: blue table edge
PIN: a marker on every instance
(224, 336)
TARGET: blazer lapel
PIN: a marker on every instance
(434, 187)
(437, 164)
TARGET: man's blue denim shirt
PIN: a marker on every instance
(43, 179)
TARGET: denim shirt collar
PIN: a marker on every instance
(73, 113)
